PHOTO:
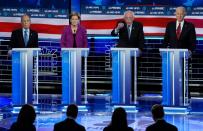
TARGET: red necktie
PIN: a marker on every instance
(178, 31)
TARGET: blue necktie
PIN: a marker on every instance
(25, 37)
(129, 33)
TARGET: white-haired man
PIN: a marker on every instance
(129, 31)
(131, 35)
(180, 34)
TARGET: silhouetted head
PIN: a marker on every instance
(157, 112)
(72, 111)
(119, 119)
(27, 114)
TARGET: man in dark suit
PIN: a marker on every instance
(24, 37)
(130, 32)
(69, 124)
(180, 34)
(160, 124)
(131, 35)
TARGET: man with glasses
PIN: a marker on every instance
(131, 35)
(129, 31)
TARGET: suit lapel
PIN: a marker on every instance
(125, 29)
(174, 30)
(78, 30)
(30, 37)
(21, 37)
(132, 30)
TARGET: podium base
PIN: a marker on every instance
(128, 108)
(81, 108)
(196, 105)
(16, 109)
(176, 110)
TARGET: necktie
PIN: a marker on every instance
(178, 31)
(25, 37)
(129, 31)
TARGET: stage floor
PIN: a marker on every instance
(99, 116)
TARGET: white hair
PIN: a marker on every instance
(129, 12)
(181, 8)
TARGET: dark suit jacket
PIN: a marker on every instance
(161, 125)
(68, 125)
(187, 38)
(17, 40)
(136, 39)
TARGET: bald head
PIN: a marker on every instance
(129, 17)
(180, 13)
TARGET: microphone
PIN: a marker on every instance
(74, 31)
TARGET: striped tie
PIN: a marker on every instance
(178, 31)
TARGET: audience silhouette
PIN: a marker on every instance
(118, 121)
(69, 124)
(160, 124)
(25, 119)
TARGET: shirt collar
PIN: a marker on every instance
(160, 119)
(69, 117)
(130, 25)
(28, 30)
(181, 24)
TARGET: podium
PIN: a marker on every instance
(174, 77)
(22, 75)
(121, 74)
(71, 75)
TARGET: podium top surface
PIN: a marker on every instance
(75, 49)
(26, 49)
(172, 50)
(125, 49)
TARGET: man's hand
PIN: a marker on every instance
(119, 26)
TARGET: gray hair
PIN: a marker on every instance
(130, 12)
(181, 8)
(24, 16)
